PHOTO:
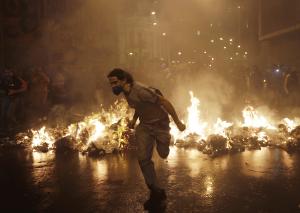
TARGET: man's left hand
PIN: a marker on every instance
(131, 124)
(181, 126)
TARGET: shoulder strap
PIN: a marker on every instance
(156, 91)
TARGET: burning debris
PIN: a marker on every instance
(216, 144)
(107, 132)
(255, 132)
(103, 132)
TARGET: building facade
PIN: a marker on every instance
(279, 32)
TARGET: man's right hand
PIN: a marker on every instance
(11, 92)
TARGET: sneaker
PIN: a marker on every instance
(156, 200)
(158, 194)
(153, 206)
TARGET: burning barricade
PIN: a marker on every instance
(254, 132)
(107, 132)
(216, 144)
(99, 133)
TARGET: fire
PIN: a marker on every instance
(255, 128)
(97, 126)
(220, 127)
(93, 128)
(42, 136)
(254, 120)
(107, 129)
(262, 136)
(194, 123)
(290, 124)
(97, 130)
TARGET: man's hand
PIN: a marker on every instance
(11, 92)
(131, 124)
(181, 126)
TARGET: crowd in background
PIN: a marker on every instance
(276, 85)
(26, 96)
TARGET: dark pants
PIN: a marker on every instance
(146, 136)
(8, 111)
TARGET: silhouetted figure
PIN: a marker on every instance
(58, 88)
(38, 92)
(256, 81)
(152, 110)
(291, 87)
(11, 86)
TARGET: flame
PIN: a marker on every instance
(92, 129)
(290, 124)
(262, 136)
(254, 120)
(220, 127)
(194, 124)
(108, 127)
(97, 130)
(42, 136)
(97, 125)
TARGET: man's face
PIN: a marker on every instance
(114, 81)
(116, 84)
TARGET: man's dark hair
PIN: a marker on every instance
(121, 75)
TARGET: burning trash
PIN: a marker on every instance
(42, 140)
(216, 144)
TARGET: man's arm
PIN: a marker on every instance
(149, 96)
(133, 121)
(171, 110)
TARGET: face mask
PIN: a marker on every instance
(117, 90)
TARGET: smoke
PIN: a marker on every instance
(81, 40)
(77, 38)
(210, 88)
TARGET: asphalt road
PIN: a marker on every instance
(253, 181)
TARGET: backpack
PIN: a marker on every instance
(156, 91)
